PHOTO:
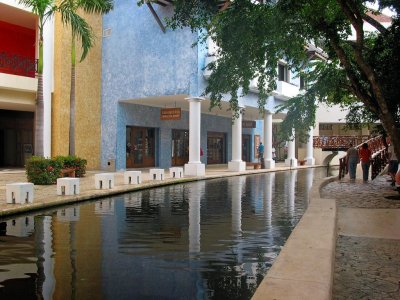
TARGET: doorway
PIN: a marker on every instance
(246, 155)
(16, 137)
(140, 150)
(216, 148)
(180, 147)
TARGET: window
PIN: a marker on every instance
(325, 126)
(283, 72)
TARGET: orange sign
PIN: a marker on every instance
(170, 113)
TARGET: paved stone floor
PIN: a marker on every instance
(367, 264)
(366, 268)
(362, 195)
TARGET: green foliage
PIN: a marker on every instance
(41, 170)
(44, 171)
(359, 74)
(71, 161)
(69, 10)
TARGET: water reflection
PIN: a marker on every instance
(20, 227)
(211, 239)
(69, 214)
(290, 183)
(236, 187)
(194, 196)
(104, 207)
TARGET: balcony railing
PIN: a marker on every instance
(17, 64)
(338, 143)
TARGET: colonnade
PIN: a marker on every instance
(195, 168)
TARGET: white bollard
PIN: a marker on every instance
(104, 181)
(156, 174)
(132, 177)
(67, 186)
(176, 172)
(20, 192)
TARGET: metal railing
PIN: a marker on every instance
(17, 64)
(379, 157)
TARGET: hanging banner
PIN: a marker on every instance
(170, 113)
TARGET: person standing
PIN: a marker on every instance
(273, 153)
(261, 155)
(365, 157)
(352, 159)
(261, 151)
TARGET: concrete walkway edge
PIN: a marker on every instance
(305, 266)
(88, 191)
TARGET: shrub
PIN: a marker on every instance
(41, 170)
(79, 164)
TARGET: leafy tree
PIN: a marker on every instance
(360, 74)
(45, 9)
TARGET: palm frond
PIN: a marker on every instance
(96, 6)
(38, 7)
(80, 28)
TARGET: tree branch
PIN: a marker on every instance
(366, 99)
(374, 23)
(354, 16)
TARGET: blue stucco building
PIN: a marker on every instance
(144, 72)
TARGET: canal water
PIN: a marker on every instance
(212, 239)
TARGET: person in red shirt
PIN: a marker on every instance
(365, 158)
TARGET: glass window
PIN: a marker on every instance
(283, 72)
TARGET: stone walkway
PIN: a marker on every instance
(367, 264)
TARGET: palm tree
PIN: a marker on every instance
(78, 24)
(45, 9)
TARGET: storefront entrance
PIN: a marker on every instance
(246, 155)
(216, 148)
(16, 137)
(140, 143)
(180, 147)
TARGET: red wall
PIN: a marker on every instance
(16, 40)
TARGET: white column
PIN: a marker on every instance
(310, 160)
(268, 161)
(237, 164)
(48, 67)
(291, 160)
(194, 167)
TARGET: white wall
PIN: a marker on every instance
(332, 114)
